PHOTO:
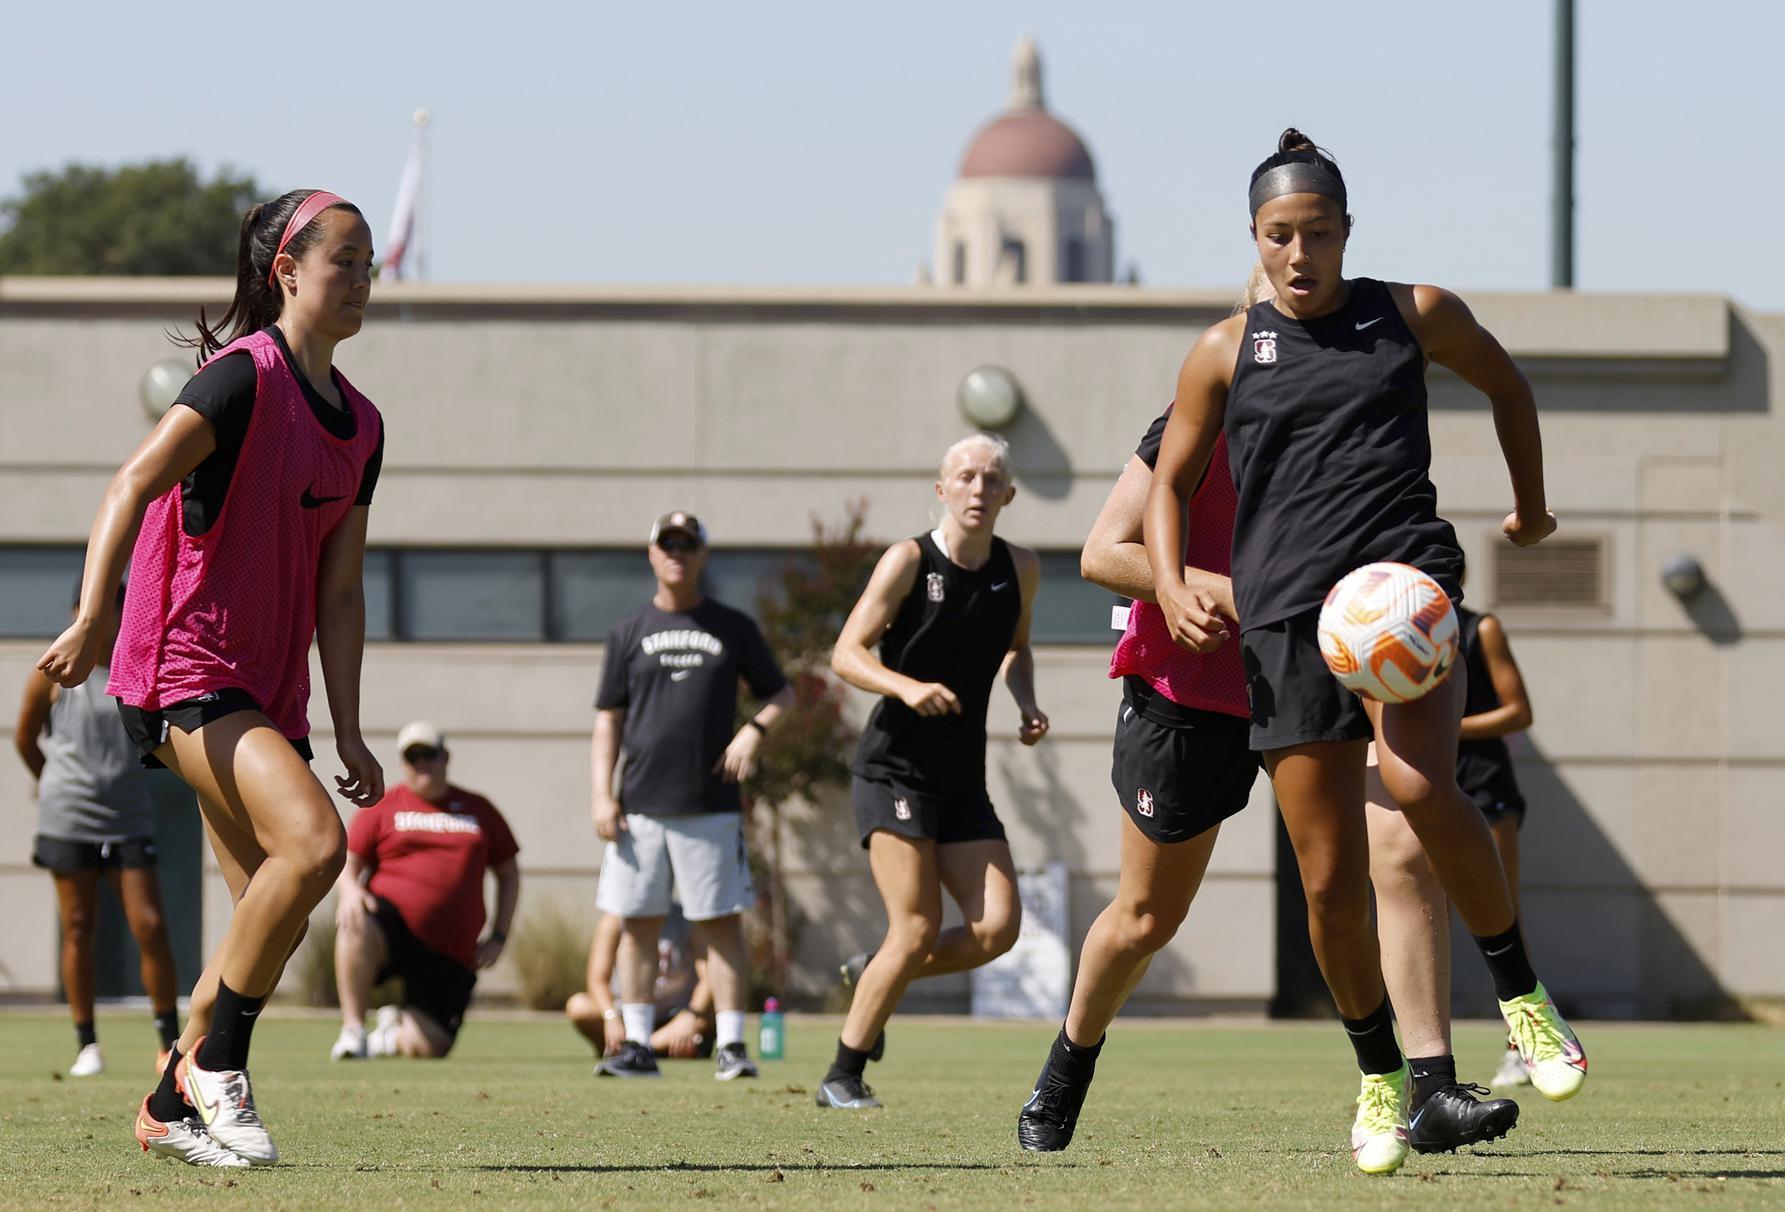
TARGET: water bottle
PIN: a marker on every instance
(771, 1041)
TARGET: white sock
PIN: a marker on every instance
(640, 1020)
(731, 1027)
(382, 1041)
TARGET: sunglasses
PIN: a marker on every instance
(415, 755)
(677, 544)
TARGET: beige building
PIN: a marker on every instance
(534, 433)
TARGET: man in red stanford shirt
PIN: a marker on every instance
(410, 904)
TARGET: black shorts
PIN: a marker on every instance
(148, 729)
(1296, 700)
(64, 856)
(437, 985)
(1494, 810)
(1180, 778)
(941, 819)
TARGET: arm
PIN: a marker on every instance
(34, 712)
(738, 762)
(1019, 662)
(341, 644)
(604, 755)
(854, 659)
(1514, 712)
(604, 947)
(508, 895)
(1183, 458)
(353, 901)
(1456, 341)
(178, 444)
(1115, 558)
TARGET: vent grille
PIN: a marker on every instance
(1556, 574)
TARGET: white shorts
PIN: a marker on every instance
(702, 855)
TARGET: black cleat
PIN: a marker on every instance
(735, 1062)
(1047, 1120)
(879, 1049)
(1456, 1115)
(852, 968)
(632, 1060)
(846, 1093)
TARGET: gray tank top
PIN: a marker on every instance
(93, 787)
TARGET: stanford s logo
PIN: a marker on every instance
(902, 809)
(1264, 347)
(1143, 802)
(933, 586)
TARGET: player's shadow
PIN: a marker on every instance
(739, 1168)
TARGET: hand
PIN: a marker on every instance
(1034, 726)
(930, 699)
(363, 784)
(489, 951)
(610, 822)
(1526, 530)
(72, 657)
(681, 1036)
(352, 907)
(739, 759)
(613, 1033)
(1192, 616)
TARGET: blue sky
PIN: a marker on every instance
(813, 143)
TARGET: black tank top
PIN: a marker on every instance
(1484, 768)
(954, 627)
(1327, 440)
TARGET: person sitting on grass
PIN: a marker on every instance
(684, 1002)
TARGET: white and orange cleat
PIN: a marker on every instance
(225, 1102)
(183, 1140)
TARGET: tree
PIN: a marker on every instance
(154, 218)
(801, 612)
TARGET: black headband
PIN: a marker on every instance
(1296, 177)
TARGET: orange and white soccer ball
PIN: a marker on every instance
(1388, 632)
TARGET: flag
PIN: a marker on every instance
(401, 252)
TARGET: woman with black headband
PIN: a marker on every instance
(1321, 394)
(243, 516)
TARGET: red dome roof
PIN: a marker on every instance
(1027, 143)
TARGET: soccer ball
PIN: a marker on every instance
(1388, 633)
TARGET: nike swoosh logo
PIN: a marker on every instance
(1000, 585)
(1501, 951)
(1367, 323)
(679, 674)
(311, 501)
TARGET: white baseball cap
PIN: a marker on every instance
(420, 733)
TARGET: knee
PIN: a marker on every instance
(1335, 899)
(77, 926)
(910, 939)
(148, 927)
(319, 863)
(998, 935)
(1411, 789)
(1143, 929)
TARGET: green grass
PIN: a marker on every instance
(1181, 1116)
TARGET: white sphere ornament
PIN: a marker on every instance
(161, 385)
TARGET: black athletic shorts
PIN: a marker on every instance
(942, 819)
(1296, 700)
(1495, 809)
(1178, 771)
(148, 729)
(65, 856)
(437, 985)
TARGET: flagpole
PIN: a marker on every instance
(421, 118)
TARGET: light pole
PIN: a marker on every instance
(1561, 260)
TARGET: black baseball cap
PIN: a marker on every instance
(679, 521)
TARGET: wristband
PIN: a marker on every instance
(610, 1014)
(497, 936)
(757, 724)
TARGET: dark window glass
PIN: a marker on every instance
(1069, 609)
(1075, 260)
(1017, 253)
(593, 590)
(380, 622)
(471, 595)
(960, 262)
(37, 589)
(738, 576)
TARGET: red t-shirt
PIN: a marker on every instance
(429, 860)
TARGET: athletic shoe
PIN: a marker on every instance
(1047, 1120)
(382, 1039)
(1455, 1115)
(224, 1100)
(734, 1061)
(1379, 1134)
(846, 1093)
(1552, 1055)
(852, 968)
(632, 1060)
(88, 1062)
(183, 1140)
(350, 1044)
(1511, 1071)
(878, 1051)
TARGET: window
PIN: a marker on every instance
(471, 595)
(1016, 254)
(960, 262)
(1069, 609)
(380, 595)
(37, 590)
(1074, 260)
(593, 590)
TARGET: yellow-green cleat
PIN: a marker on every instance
(1379, 1134)
(1553, 1057)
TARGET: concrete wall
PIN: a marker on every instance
(573, 416)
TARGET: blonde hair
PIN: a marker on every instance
(1000, 450)
(1258, 289)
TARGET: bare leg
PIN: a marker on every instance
(905, 872)
(1413, 926)
(139, 891)
(360, 954)
(981, 878)
(1157, 884)
(586, 1010)
(1320, 789)
(77, 900)
(721, 940)
(420, 1037)
(1505, 830)
(638, 960)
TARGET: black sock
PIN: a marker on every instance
(850, 1062)
(1508, 964)
(166, 1104)
(1430, 1075)
(1373, 1037)
(167, 1026)
(1074, 1061)
(232, 1023)
(88, 1033)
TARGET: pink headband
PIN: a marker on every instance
(307, 210)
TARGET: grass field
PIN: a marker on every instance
(1182, 1116)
